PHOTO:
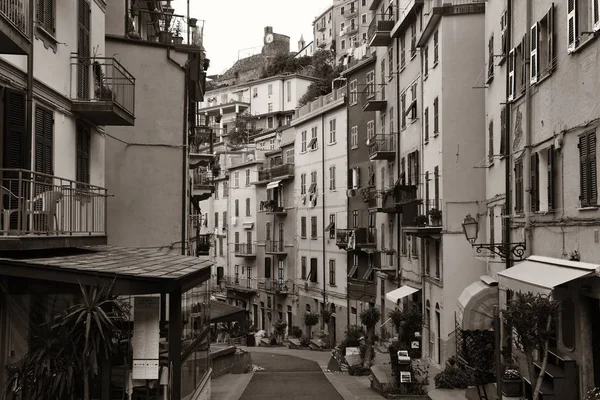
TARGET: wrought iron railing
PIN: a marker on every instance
(273, 206)
(244, 249)
(240, 281)
(202, 177)
(102, 79)
(275, 246)
(163, 27)
(203, 243)
(39, 204)
(276, 171)
(429, 213)
(17, 13)
(278, 285)
(381, 23)
(356, 237)
(380, 142)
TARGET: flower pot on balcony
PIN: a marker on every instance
(511, 387)
(165, 37)
(177, 40)
(193, 22)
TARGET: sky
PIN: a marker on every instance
(235, 28)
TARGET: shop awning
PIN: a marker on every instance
(540, 274)
(128, 270)
(273, 185)
(476, 304)
(400, 293)
(223, 312)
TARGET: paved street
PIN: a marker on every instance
(288, 377)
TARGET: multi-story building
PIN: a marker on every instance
(320, 130)
(551, 128)
(67, 108)
(451, 45)
(359, 238)
(325, 30)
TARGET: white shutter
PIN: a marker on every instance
(571, 25)
(534, 66)
(596, 15)
(511, 75)
(551, 51)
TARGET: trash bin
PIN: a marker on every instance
(250, 340)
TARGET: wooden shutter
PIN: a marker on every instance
(593, 188)
(267, 267)
(571, 24)
(15, 140)
(583, 171)
(491, 57)
(511, 74)
(503, 223)
(503, 132)
(595, 15)
(44, 124)
(82, 144)
(491, 141)
(492, 227)
(83, 50)
(551, 178)
(313, 270)
(519, 186)
(534, 192)
(534, 47)
(426, 189)
(551, 50)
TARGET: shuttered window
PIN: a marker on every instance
(519, 186)
(490, 58)
(15, 139)
(268, 267)
(588, 179)
(503, 217)
(45, 10)
(534, 69)
(82, 144)
(492, 238)
(534, 182)
(44, 124)
(503, 133)
(491, 141)
(550, 189)
(83, 49)
(313, 270)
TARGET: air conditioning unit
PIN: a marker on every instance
(351, 192)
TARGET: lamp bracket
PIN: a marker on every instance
(515, 251)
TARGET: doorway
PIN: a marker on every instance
(289, 322)
(594, 307)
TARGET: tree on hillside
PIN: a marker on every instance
(324, 69)
(284, 63)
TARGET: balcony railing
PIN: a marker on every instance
(273, 206)
(428, 214)
(102, 90)
(244, 249)
(203, 244)
(379, 29)
(239, 281)
(372, 99)
(38, 204)
(349, 29)
(352, 12)
(278, 286)
(382, 147)
(321, 43)
(354, 239)
(276, 171)
(321, 26)
(15, 23)
(275, 247)
(163, 27)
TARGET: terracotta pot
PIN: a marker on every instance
(512, 387)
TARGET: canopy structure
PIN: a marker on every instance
(223, 312)
(273, 185)
(476, 304)
(400, 293)
(541, 275)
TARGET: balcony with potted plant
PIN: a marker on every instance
(428, 220)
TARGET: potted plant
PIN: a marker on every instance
(436, 216)
(178, 39)
(511, 381)
(420, 220)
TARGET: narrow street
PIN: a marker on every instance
(288, 377)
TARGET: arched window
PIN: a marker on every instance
(567, 323)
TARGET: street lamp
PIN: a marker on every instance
(504, 250)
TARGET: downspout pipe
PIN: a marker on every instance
(527, 234)
(398, 160)
(30, 80)
(323, 209)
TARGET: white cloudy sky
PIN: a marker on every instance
(233, 26)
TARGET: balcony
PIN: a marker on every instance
(273, 207)
(103, 91)
(200, 149)
(373, 100)
(356, 239)
(321, 43)
(379, 30)
(279, 172)
(382, 147)
(275, 247)
(428, 220)
(384, 261)
(241, 283)
(321, 26)
(163, 26)
(349, 30)
(276, 286)
(42, 211)
(351, 13)
(202, 185)
(214, 107)
(245, 250)
(203, 244)
(14, 27)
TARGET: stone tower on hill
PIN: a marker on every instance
(250, 68)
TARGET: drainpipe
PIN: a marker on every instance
(527, 162)
(323, 207)
(347, 198)
(398, 160)
(29, 122)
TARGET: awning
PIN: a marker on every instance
(128, 270)
(330, 226)
(248, 225)
(540, 274)
(223, 312)
(476, 304)
(273, 185)
(400, 293)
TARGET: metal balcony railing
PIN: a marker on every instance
(379, 29)
(240, 281)
(321, 43)
(276, 171)
(102, 80)
(203, 244)
(321, 26)
(278, 286)
(39, 204)
(17, 13)
(428, 214)
(356, 238)
(275, 246)
(202, 177)
(373, 99)
(163, 27)
(273, 206)
(244, 249)
(381, 143)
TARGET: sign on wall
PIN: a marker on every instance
(146, 336)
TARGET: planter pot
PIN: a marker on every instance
(165, 37)
(192, 22)
(177, 40)
(511, 388)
